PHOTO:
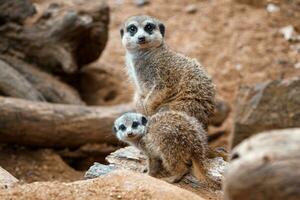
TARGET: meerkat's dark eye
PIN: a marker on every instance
(149, 28)
(122, 127)
(132, 29)
(144, 121)
(135, 124)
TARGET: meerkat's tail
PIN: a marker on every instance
(198, 169)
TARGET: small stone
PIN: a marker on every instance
(191, 9)
(238, 67)
(141, 2)
(98, 169)
(271, 8)
(297, 65)
(287, 32)
(119, 197)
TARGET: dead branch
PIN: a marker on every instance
(56, 125)
(64, 37)
(51, 88)
(12, 83)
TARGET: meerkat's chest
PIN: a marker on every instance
(139, 78)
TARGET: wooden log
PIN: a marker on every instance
(6, 179)
(56, 125)
(64, 37)
(12, 83)
(51, 88)
(265, 167)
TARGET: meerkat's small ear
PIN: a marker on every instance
(144, 121)
(162, 29)
(122, 32)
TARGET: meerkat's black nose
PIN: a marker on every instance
(141, 39)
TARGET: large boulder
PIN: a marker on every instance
(266, 106)
(265, 167)
(122, 184)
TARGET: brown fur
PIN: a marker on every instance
(171, 81)
(177, 141)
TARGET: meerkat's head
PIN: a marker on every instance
(130, 127)
(142, 32)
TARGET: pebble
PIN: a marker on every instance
(141, 2)
(191, 9)
(271, 8)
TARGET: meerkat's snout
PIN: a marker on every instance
(142, 39)
(142, 32)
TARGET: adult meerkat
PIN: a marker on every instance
(164, 79)
(169, 139)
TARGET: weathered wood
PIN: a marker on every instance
(51, 88)
(56, 125)
(12, 83)
(266, 106)
(6, 179)
(15, 11)
(66, 36)
(265, 167)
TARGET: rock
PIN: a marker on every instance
(131, 158)
(266, 106)
(265, 167)
(141, 2)
(98, 169)
(271, 8)
(191, 9)
(6, 179)
(122, 184)
(289, 33)
(222, 111)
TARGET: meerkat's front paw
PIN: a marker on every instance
(151, 173)
(173, 179)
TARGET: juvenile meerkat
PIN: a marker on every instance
(164, 79)
(172, 140)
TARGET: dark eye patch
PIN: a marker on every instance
(132, 29)
(135, 124)
(149, 28)
(144, 121)
(122, 127)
